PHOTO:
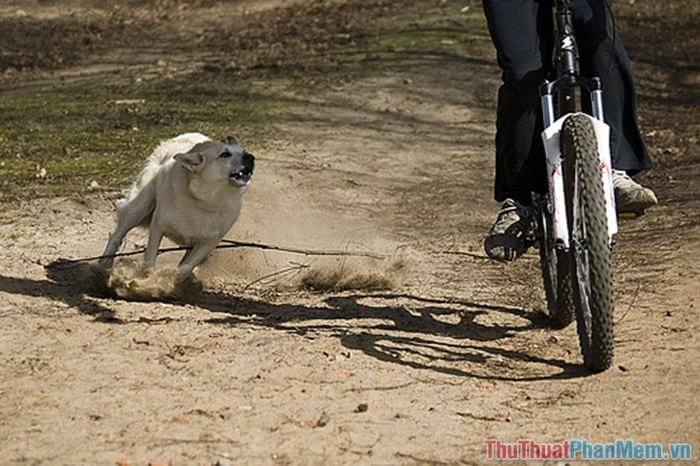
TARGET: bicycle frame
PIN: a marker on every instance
(564, 87)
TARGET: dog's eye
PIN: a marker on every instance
(225, 154)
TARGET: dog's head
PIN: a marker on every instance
(216, 161)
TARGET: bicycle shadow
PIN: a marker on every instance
(442, 335)
(411, 333)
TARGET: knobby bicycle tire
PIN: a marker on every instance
(556, 273)
(589, 254)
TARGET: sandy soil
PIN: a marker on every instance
(452, 350)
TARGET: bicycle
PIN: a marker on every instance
(577, 221)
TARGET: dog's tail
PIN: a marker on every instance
(121, 204)
(160, 156)
(177, 145)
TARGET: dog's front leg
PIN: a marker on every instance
(194, 257)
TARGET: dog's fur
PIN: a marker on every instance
(190, 191)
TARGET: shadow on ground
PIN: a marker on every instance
(392, 327)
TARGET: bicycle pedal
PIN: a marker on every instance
(631, 215)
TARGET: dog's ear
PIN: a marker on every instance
(231, 140)
(190, 160)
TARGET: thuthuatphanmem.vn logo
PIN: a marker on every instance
(528, 449)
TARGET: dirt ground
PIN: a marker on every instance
(415, 355)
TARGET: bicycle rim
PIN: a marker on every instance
(590, 255)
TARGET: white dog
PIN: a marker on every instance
(190, 191)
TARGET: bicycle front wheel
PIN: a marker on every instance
(590, 253)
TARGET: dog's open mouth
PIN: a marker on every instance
(241, 176)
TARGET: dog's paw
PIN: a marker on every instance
(148, 284)
(100, 277)
(187, 287)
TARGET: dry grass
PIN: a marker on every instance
(328, 280)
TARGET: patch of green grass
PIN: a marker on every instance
(440, 30)
(59, 139)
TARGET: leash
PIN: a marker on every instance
(227, 244)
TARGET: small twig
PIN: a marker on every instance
(381, 389)
(674, 329)
(484, 418)
(634, 300)
(466, 253)
(293, 268)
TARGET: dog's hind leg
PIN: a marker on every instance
(129, 215)
(155, 236)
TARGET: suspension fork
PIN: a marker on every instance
(564, 87)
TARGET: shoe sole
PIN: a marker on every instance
(630, 215)
(637, 206)
(511, 247)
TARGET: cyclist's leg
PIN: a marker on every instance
(603, 54)
(521, 31)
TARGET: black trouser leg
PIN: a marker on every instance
(603, 54)
(521, 31)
